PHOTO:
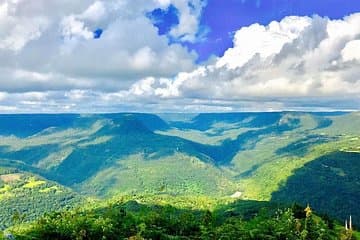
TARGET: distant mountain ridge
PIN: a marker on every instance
(215, 154)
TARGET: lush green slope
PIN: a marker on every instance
(246, 155)
(267, 176)
(25, 197)
(78, 154)
(330, 182)
(157, 218)
(176, 174)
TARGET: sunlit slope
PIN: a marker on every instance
(176, 174)
(264, 167)
(79, 155)
(24, 197)
(247, 155)
(81, 152)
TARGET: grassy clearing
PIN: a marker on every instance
(50, 189)
(6, 188)
(10, 177)
(33, 183)
(5, 192)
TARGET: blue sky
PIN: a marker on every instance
(179, 55)
(223, 17)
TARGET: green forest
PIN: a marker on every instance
(178, 176)
(150, 218)
(179, 119)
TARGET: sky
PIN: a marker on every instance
(179, 55)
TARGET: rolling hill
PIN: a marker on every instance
(25, 196)
(249, 156)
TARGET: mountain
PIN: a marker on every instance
(249, 156)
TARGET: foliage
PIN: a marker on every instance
(27, 197)
(136, 220)
(329, 182)
(251, 154)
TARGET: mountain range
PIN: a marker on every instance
(57, 161)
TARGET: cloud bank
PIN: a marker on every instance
(51, 61)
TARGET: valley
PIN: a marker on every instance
(59, 162)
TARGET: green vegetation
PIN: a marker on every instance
(141, 218)
(177, 174)
(204, 162)
(25, 197)
(331, 183)
(269, 176)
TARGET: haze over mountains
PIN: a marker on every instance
(280, 156)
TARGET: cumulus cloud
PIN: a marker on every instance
(351, 51)
(17, 31)
(51, 62)
(50, 45)
(72, 27)
(188, 28)
(294, 59)
(95, 12)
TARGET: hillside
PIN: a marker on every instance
(144, 217)
(249, 156)
(330, 182)
(24, 197)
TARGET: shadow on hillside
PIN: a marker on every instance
(133, 134)
(330, 184)
(301, 147)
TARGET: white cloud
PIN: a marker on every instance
(3, 96)
(95, 12)
(76, 94)
(8, 109)
(49, 45)
(351, 51)
(72, 28)
(144, 58)
(50, 62)
(20, 74)
(190, 13)
(263, 40)
(143, 87)
(296, 58)
(17, 31)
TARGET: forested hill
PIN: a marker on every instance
(283, 157)
(164, 217)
